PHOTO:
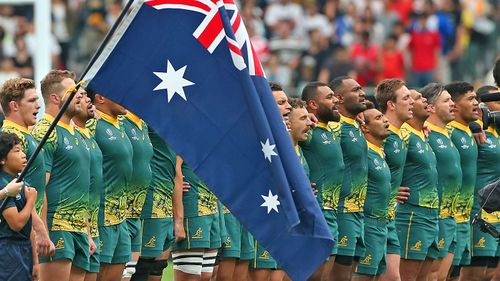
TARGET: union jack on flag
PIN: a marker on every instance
(188, 68)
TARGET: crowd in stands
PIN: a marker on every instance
(299, 40)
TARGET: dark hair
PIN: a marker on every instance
(369, 105)
(496, 72)
(275, 86)
(338, 82)
(7, 142)
(484, 90)
(310, 91)
(458, 89)
(91, 94)
(432, 91)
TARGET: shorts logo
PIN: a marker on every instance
(343, 241)
(367, 260)
(60, 244)
(198, 233)
(417, 246)
(151, 243)
(265, 255)
(441, 243)
(228, 242)
(101, 243)
(480, 243)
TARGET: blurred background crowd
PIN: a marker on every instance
(299, 40)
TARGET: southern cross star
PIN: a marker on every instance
(271, 202)
(173, 81)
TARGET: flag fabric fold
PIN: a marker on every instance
(188, 69)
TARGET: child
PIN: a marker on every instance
(15, 220)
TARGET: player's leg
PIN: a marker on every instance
(58, 266)
(393, 254)
(372, 261)
(350, 229)
(81, 260)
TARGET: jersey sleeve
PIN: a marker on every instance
(50, 145)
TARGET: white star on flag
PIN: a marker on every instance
(271, 202)
(268, 150)
(173, 80)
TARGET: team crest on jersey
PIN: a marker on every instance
(419, 146)
(134, 134)
(110, 135)
(324, 136)
(377, 164)
(68, 146)
(354, 139)
(464, 143)
(441, 143)
(490, 143)
(396, 147)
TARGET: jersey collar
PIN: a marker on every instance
(83, 131)
(461, 127)
(349, 121)
(493, 131)
(438, 129)
(420, 134)
(376, 148)
(135, 119)
(395, 130)
(324, 126)
(12, 124)
(68, 127)
(109, 119)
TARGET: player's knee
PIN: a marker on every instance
(158, 267)
(188, 262)
(129, 269)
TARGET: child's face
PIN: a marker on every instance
(16, 160)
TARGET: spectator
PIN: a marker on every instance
(390, 60)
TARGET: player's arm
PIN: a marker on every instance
(92, 245)
(15, 219)
(178, 207)
(35, 255)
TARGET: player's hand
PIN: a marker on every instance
(44, 245)
(30, 194)
(480, 137)
(35, 275)
(426, 130)
(179, 231)
(403, 194)
(313, 186)
(313, 119)
(13, 188)
(185, 186)
(92, 246)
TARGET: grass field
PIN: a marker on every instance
(168, 273)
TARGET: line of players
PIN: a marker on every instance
(109, 186)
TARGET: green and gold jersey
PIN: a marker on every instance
(96, 180)
(158, 202)
(303, 160)
(420, 173)
(326, 164)
(137, 132)
(36, 173)
(355, 153)
(199, 200)
(448, 167)
(117, 166)
(68, 162)
(395, 149)
(464, 141)
(379, 184)
(488, 169)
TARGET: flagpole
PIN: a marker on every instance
(66, 103)
(107, 38)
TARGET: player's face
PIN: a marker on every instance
(88, 108)
(444, 107)
(116, 109)
(16, 160)
(327, 105)
(283, 105)
(300, 124)
(420, 106)
(74, 106)
(404, 104)
(353, 97)
(376, 123)
(29, 107)
(467, 107)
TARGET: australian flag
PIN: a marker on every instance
(187, 67)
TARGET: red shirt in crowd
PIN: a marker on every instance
(393, 65)
(423, 46)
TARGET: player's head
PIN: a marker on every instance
(440, 102)
(393, 97)
(300, 123)
(281, 99)
(19, 100)
(12, 157)
(466, 104)
(105, 105)
(321, 101)
(350, 94)
(420, 106)
(88, 108)
(55, 88)
(376, 124)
